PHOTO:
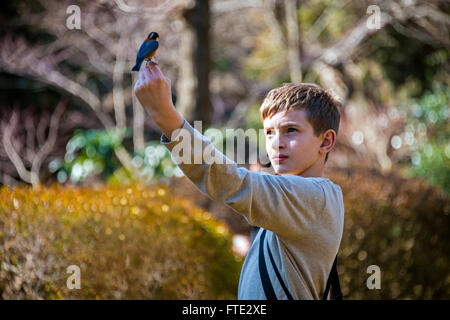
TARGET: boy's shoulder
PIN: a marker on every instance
(296, 178)
(314, 186)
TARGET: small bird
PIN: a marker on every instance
(147, 50)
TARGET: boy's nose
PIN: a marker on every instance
(278, 142)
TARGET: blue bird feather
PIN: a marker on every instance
(145, 49)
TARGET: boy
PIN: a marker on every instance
(301, 214)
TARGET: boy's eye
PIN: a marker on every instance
(269, 131)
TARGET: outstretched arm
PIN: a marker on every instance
(155, 94)
(284, 204)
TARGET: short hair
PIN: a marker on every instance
(322, 106)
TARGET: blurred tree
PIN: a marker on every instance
(26, 143)
(255, 45)
(92, 64)
(293, 41)
(193, 85)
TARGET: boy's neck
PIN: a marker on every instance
(315, 171)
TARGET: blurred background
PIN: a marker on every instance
(85, 181)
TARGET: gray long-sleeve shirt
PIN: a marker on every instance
(304, 218)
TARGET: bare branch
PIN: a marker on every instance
(271, 20)
(43, 123)
(391, 13)
(19, 58)
(49, 142)
(118, 94)
(233, 5)
(31, 136)
(158, 11)
(8, 134)
(10, 141)
(342, 50)
(321, 23)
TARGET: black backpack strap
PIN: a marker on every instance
(333, 281)
(333, 278)
(283, 285)
(335, 284)
(267, 284)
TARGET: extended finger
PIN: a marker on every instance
(142, 75)
(147, 73)
(155, 69)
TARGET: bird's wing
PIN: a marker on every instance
(147, 48)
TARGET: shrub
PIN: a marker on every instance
(429, 128)
(399, 224)
(130, 242)
(91, 155)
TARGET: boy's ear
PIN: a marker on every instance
(329, 139)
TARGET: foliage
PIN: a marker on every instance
(130, 242)
(155, 163)
(265, 61)
(422, 63)
(430, 155)
(432, 162)
(399, 225)
(91, 152)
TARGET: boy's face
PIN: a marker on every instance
(291, 135)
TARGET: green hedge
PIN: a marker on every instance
(130, 243)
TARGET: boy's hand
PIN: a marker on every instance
(155, 94)
(153, 90)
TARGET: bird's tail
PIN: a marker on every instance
(137, 67)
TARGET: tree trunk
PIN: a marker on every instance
(293, 41)
(193, 98)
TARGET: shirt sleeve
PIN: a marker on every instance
(280, 203)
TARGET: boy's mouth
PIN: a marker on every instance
(280, 158)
